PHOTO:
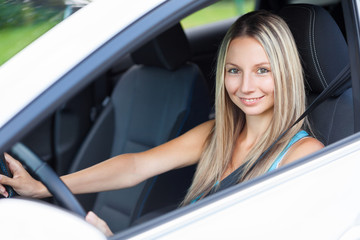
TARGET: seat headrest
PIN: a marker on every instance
(321, 45)
(169, 50)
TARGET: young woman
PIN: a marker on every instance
(259, 94)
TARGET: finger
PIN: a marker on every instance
(5, 180)
(9, 159)
(13, 164)
(93, 219)
(3, 191)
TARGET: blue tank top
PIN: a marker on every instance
(300, 135)
(231, 179)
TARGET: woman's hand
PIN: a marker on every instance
(100, 224)
(21, 182)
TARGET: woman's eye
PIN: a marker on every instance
(233, 71)
(262, 71)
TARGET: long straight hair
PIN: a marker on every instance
(289, 103)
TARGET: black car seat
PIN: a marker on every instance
(157, 99)
(324, 55)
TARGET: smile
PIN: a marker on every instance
(249, 101)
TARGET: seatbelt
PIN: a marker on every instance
(338, 81)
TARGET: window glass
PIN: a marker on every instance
(23, 21)
(220, 10)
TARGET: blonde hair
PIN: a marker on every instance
(289, 103)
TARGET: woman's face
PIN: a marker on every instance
(248, 78)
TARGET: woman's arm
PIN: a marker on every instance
(118, 172)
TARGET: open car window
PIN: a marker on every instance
(218, 11)
(22, 22)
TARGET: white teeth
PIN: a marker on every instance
(250, 99)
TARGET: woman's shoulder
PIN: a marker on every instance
(302, 148)
(308, 144)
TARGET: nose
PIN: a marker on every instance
(247, 83)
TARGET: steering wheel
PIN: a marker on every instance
(49, 178)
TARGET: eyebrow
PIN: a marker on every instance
(232, 64)
(256, 65)
(262, 63)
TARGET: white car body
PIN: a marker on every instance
(317, 198)
(43, 221)
(312, 201)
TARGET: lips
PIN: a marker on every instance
(251, 101)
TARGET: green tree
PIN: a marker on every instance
(24, 12)
(11, 13)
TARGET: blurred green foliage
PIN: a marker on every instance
(12, 40)
(221, 10)
(15, 13)
(22, 21)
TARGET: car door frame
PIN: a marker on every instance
(352, 25)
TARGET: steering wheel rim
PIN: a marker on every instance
(49, 178)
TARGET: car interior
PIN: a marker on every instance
(165, 88)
